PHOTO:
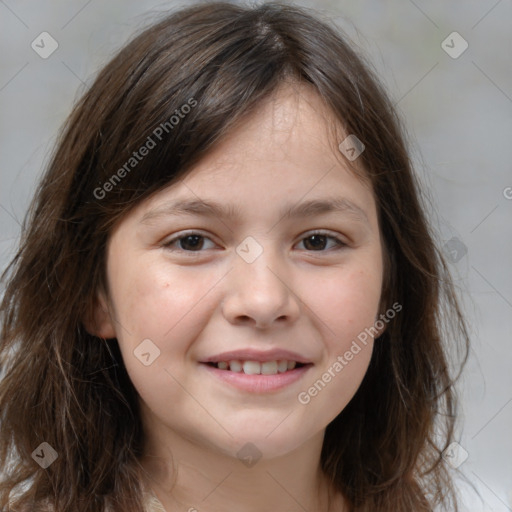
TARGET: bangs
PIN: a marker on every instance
(171, 94)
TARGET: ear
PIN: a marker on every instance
(99, 320)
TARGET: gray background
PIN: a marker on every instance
(459, 116)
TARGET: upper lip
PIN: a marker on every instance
(257, 355)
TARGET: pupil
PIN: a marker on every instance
(194, 245)
(318, 241)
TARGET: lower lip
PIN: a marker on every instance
(258, 383)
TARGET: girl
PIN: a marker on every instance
(227, 295)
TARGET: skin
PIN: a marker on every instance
(312, 299)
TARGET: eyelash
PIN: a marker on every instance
(167, 245)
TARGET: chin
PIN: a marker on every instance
(258, 444)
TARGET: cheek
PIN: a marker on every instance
(347, 303)
(155, 298)
(336, 384)
(347, 308)
(168, 307)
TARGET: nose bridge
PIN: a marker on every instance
(258, 289)
(258, 268)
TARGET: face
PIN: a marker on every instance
(289, 269)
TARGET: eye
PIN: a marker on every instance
(318, 241)
(189, 242)
(195, 242)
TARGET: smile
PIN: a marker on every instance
(256, 377)
(257, 368)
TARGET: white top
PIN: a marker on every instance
(152, 503)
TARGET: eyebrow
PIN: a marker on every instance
(214, 209)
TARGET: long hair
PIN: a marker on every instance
(63, 386)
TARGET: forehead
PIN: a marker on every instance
(284, 152)
(293, 124)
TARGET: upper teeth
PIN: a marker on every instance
(256, 368)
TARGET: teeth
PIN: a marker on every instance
(257, 368)
(235, 366)
(269, 368)
(252, 367)
(282, 366)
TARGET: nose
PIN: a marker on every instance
(260, 294)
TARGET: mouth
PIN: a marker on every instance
(256, 367)
(256, 377)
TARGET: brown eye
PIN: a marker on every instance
(192, 242)
(315, 242)
(318, 242)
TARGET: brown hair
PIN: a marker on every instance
(66, 387)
